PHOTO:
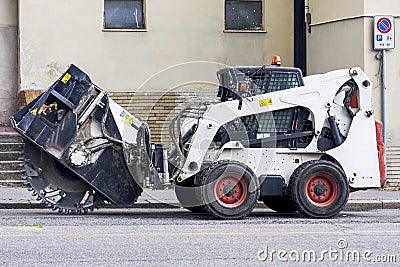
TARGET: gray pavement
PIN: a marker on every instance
(174, 237)
(20, 198)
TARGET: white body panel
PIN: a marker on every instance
(127, 124)
(357, 155)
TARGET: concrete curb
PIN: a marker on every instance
(108, 206)
(365, 205)
(352, 205)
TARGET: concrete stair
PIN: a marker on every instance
(11, 149)
(393, 165)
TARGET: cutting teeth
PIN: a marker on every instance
(51, 196)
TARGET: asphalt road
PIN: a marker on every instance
(176, 237)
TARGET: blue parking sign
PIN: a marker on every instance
(379, 37)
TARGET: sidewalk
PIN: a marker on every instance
(20, 198)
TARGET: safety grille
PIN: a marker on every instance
(280, 81)
(279, 121)
(274, 81)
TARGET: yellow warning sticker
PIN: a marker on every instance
(33, 112)
(66, 78)
(265, 102)
(128, 119)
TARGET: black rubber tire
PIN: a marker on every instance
(248, 183)
(301, 179)
(281, 204)
(188, 197)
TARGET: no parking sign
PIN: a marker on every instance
(383, 32)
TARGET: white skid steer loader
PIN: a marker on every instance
(297, 144)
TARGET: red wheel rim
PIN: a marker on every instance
(230, 190)
(322, 189)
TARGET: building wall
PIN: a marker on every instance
(335, 45)
(381, 7)
(55, 33)
(8, 58)
(373, 67)
(328, 10)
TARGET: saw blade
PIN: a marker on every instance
(57, 186)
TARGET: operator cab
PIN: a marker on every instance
(287, 128)
(238, 82)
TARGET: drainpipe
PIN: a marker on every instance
(300, 48)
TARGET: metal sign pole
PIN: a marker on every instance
(384, 39)
(384, 95)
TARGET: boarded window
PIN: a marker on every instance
(243, 15)
(123, 14)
